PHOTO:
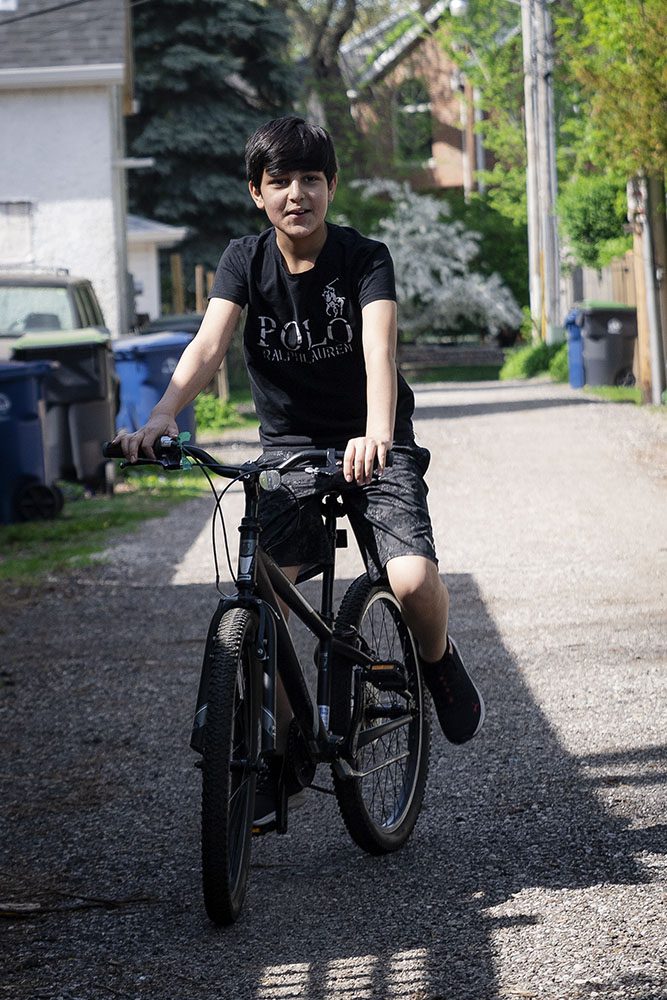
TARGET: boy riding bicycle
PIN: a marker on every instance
(320, 341)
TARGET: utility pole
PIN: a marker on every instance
(650, 354)
(541, 181)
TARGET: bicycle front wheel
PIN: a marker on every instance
(230, 752)
(381, 804)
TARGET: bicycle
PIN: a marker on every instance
(371, 721)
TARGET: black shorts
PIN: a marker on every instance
(389, 517)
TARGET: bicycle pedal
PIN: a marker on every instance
(386, 675)
(259, 831)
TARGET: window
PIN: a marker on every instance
(30, 308)
(412, 122)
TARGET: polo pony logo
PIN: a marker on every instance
(334, 303)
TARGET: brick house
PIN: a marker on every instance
(412, 100)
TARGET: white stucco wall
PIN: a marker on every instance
(58, 151)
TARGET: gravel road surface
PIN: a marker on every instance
(539, 864)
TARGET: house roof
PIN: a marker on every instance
(371, 55)
(63, 35)
(141, 230)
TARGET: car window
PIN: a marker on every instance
(86, 314)
(93, 305)
(29, 308)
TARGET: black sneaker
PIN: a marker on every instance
(266, 791)
(457, 700)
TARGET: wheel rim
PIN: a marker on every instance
(393, 759)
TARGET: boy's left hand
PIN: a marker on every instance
(360, 459)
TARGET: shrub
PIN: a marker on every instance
(528, 361)
(592, 211)
(438, 284)
(559, 369)
(212, 414)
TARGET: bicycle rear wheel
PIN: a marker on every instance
(230, 751)
(380, 807)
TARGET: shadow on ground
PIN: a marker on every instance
(101, 826)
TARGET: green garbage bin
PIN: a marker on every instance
(609, 332)
(81, 399)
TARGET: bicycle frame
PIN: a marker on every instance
(260, 582)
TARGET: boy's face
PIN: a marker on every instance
(295, 201)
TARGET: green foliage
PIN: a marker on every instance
(486, 44)
(525, 362)
(214, 414)
(558, 366)
(592, 212)
(452, 373)
(616, 393)
(352, 206)
(617, 56)
(503, 243)
(34, 548)
(207, 73)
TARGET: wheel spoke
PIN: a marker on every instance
(387, 791)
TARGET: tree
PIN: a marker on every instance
(437, 285)
(617, 55)
(486, 45)
(207, 73)
(593, 210)
(319, 27)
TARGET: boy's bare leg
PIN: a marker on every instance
(424, 599)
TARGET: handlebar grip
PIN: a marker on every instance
(168, 452)
(111, 450)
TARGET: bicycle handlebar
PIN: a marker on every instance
(169, 454)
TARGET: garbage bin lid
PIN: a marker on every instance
(592, 305)
(127, 348)
(60, 338)
(12, 370)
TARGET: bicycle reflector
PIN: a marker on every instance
(270, 480)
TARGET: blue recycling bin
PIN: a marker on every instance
(575, 349)
(24, 494)
(144, 366)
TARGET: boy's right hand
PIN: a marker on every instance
(142, 441)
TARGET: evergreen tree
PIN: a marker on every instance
(208, 72)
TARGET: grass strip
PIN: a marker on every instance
(453, 373)
(616, 393)
(33, 549)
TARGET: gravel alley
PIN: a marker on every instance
(538, 867)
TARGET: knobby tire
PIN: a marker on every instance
(230, 751)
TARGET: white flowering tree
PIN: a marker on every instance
(436, 287)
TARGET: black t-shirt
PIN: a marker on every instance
(302, 337)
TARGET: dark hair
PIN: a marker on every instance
(289, 143)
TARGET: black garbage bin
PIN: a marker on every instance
(81, 397)
(25, 493)
(609, 331)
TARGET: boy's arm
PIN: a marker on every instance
(379, 335)
(197, 366)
